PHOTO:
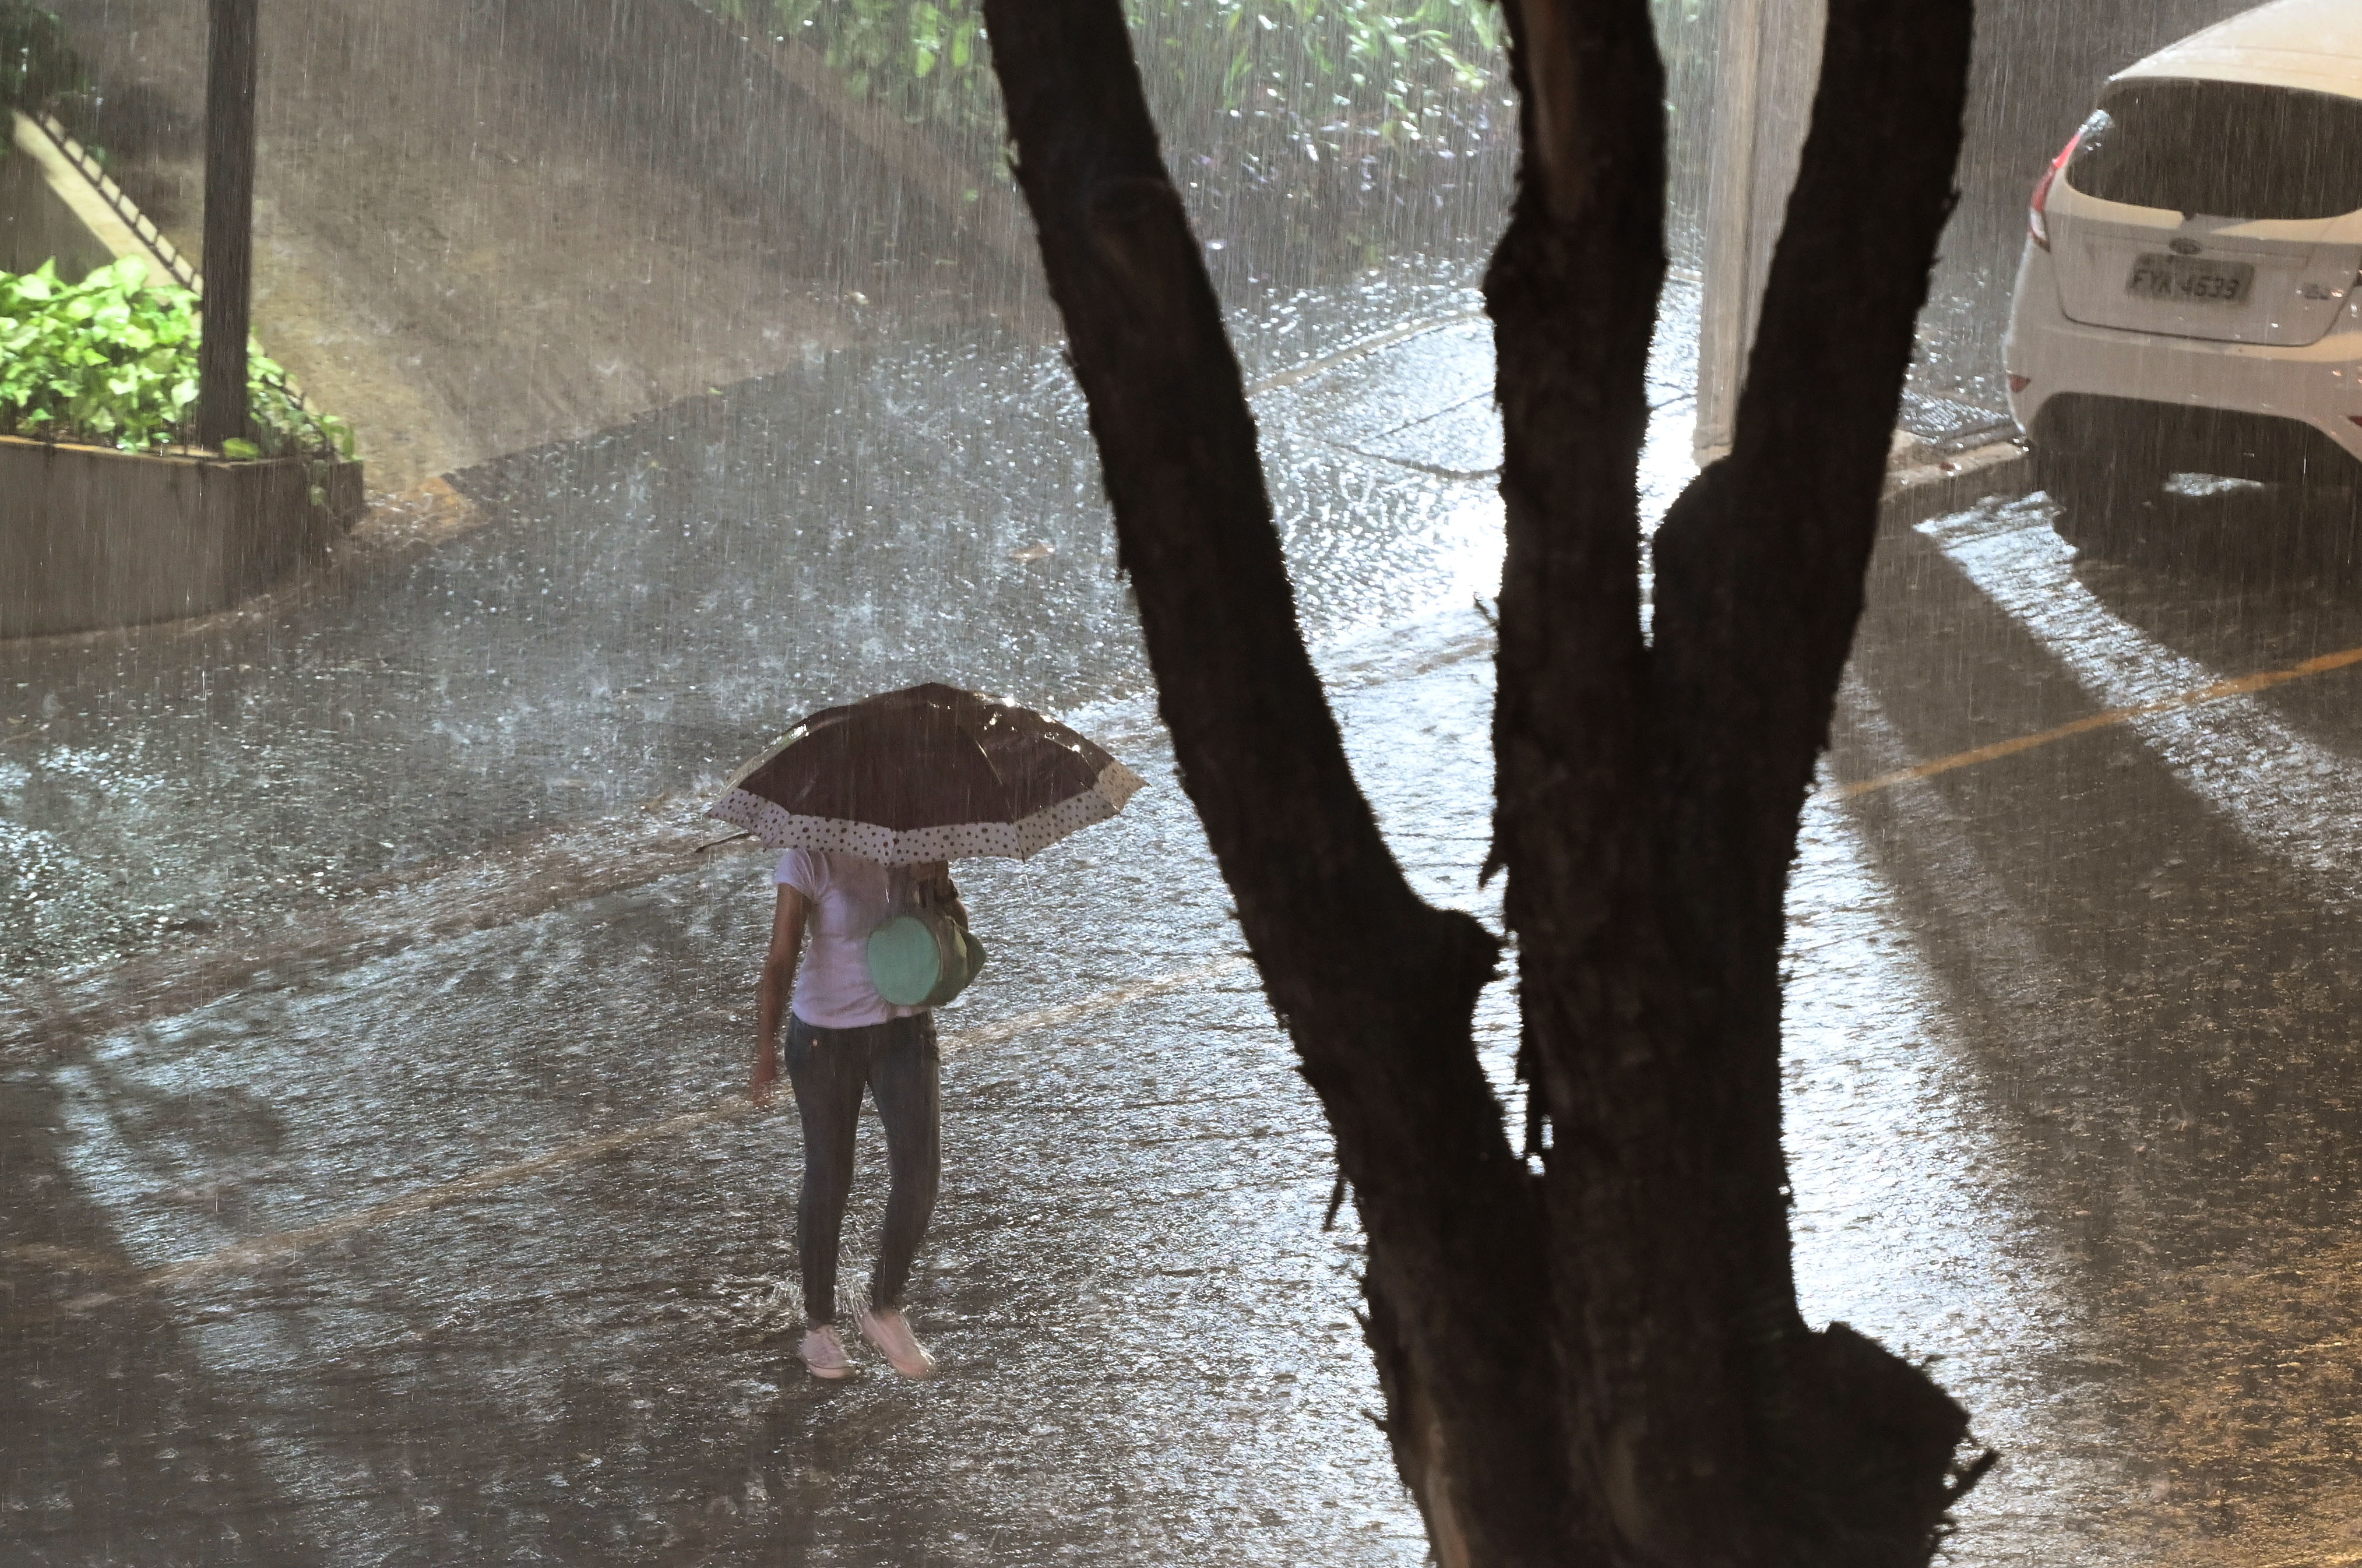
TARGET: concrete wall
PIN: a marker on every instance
(47, 210)
(91, 538)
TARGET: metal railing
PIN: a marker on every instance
(162, 250)
(143, 228)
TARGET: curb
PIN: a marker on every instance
(1915, 494)
(393, 529)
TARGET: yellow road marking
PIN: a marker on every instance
(1051, 1017)
(2239, 687)
(243, 1256)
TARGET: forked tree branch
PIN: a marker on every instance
(1609, 1368)
(1375, 988)
(1760, 574)
(1650, 792)
(1759, 588)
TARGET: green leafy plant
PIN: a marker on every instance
(1327, 104)
(111, 360)
(1385, 68)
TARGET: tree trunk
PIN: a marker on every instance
(1602, 1362)
(228, 260)
(1649, 792)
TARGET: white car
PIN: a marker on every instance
(2186, 300)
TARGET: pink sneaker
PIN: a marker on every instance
(890, 1333)
(824, 1353)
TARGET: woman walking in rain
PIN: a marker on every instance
(841, 1035)
(870, 802)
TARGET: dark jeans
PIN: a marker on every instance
(899, 1063)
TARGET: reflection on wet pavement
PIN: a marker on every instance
(1128, 1248)
(420, 1226)
(1914, 1219)
(2148, 929)
(642, 602)
(489, 1186)
(2295, 797)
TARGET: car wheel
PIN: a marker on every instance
(2105, 500)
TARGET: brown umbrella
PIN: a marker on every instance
(933, 773)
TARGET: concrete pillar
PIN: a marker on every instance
(1768, 62)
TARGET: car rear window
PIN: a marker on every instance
(2222, 149)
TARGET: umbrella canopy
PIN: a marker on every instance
(933, 773)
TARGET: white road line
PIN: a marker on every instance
(2293, 797)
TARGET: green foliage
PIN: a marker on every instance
(1384, 62)
(36, 66)
(1327, 68)
(112, 361)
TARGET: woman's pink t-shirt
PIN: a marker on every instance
(849, 897)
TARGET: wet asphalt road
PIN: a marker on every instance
(448, 1250)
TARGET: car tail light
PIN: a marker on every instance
(2037, 221)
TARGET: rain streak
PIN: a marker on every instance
(468, 760)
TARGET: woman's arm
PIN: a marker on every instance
(937, 876)
(771, 996)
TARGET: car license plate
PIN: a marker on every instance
(2189, 280)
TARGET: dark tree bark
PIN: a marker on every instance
(1649, 794)
(222, 406)
(1601, 1363)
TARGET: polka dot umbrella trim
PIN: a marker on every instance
(932, 773)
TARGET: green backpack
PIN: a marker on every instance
(921, 957)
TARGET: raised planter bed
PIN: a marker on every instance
(91, 537)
